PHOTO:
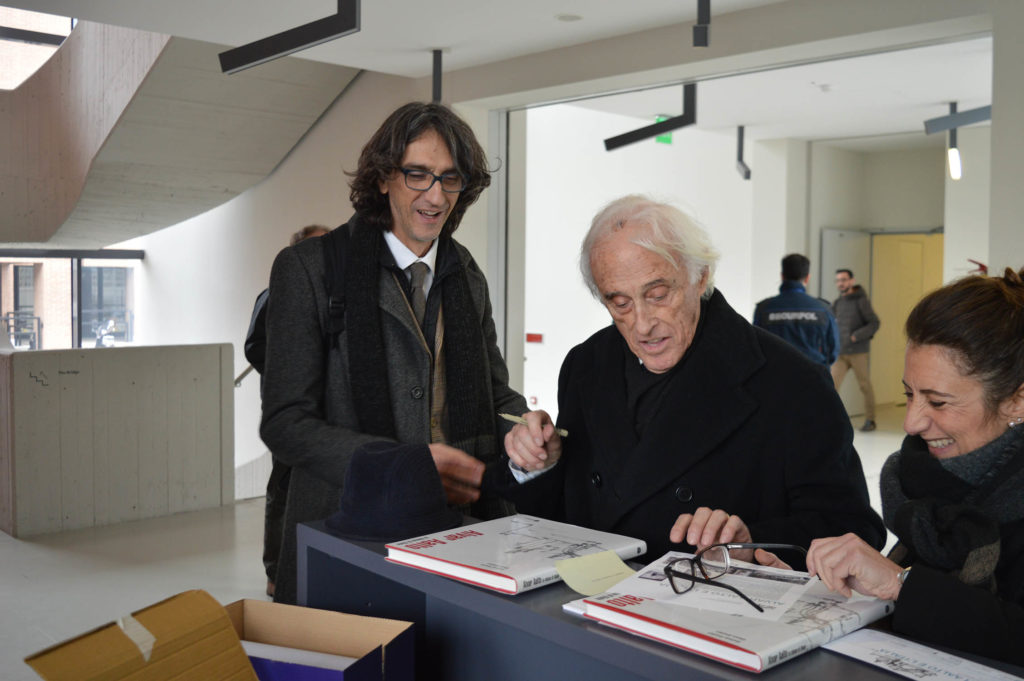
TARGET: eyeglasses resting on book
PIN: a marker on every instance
(712, 562)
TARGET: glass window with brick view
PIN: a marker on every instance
(106, 305)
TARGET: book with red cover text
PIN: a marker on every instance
(511, 554)
(800, 613)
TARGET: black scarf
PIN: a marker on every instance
(466, 366)
(947, 522)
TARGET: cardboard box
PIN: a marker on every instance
(191, 636)
(384, 649)
(188, 636)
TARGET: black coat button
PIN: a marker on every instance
(596, 479)
(684, 493)
(417, 393)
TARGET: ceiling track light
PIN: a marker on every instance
(437, 77)
(953, 152)
(345, 22)
(958, 120)
(741, 167)
(702, 28)
(688, 117)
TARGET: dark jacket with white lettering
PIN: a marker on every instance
(745, 424)
(805, 322)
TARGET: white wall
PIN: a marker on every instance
(200, 278)
(904, 190)
(570, 176)
(967, 206)
(780, 190)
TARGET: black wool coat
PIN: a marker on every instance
(746, 424)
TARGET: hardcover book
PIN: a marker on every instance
(800, 613)
(511, 554)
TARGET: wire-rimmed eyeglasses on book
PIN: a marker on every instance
(712, 562)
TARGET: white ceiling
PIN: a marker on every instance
(874, 101)
(881, 96)
(398, 36)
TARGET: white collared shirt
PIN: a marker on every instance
(404, 257)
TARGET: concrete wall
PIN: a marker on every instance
(98, 436)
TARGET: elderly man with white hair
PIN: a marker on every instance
(687, 426)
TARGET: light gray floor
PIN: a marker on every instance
(58, 586)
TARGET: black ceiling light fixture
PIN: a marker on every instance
(951, 122)
(702, 28)
(437, 77)
(958, 120)
(343, 23)
(688, 117)
(741, 167)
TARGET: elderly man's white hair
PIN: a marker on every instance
(673, 235)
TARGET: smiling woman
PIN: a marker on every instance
(954, 493)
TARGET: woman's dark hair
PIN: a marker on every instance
(306, 232)
(981, 319)
(382, 156)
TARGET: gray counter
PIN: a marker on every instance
(465, 632)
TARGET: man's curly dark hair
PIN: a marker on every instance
(382, 156)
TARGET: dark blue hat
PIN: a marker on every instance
(392, 491)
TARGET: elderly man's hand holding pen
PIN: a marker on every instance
(535, 443)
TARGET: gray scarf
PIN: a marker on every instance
(948, 513)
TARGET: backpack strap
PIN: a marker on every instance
(335, 245)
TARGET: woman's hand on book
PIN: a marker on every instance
(846, 564)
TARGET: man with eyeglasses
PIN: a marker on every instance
(382, 330)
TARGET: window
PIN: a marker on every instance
(106, 305)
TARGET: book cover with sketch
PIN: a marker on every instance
(511, 554)
(800, 613)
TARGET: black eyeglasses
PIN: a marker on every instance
(422, 180)
(712, 562)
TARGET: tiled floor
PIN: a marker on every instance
(58, 586)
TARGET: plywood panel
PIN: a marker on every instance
(203, 469)
(7, 516)
(122, 433)
(227, 424)
(154, 454)
(103, 469)
(112, 434)
(37, 438)
(76, 441)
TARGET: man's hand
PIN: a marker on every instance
(846, 564)
(460, 473)
(705, 527)
(536, 445)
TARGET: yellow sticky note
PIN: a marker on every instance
(594, 573)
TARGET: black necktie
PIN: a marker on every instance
(419, 271)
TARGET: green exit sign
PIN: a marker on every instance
(667, 137)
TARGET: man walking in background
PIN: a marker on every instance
(858, 323)
(802, 320)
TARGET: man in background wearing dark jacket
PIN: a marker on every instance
(802, 320)
(857, 324)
